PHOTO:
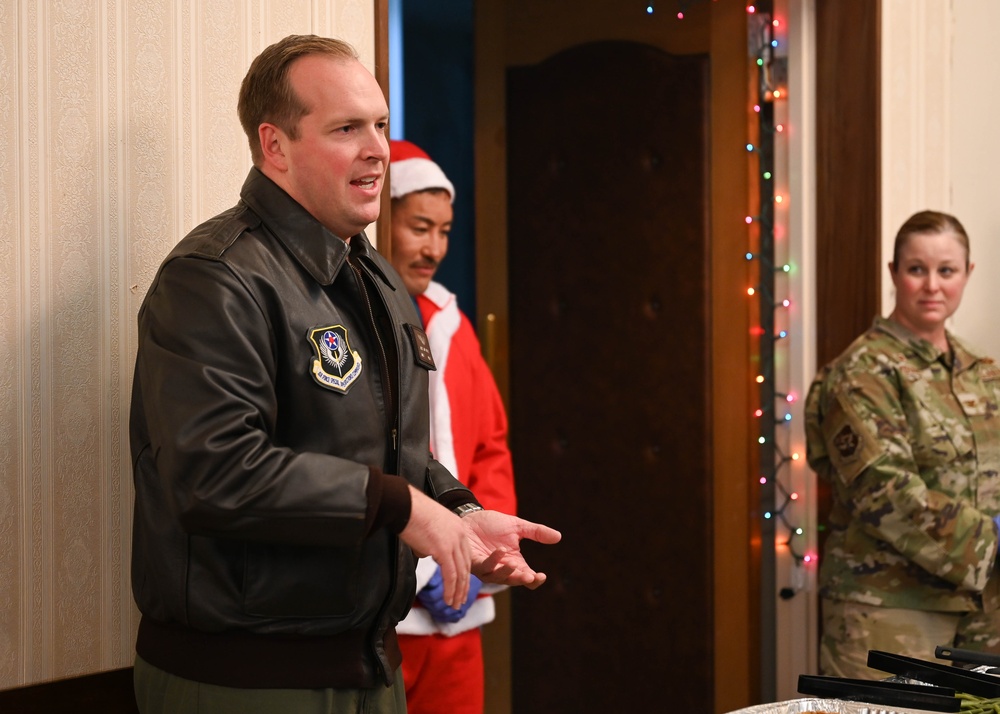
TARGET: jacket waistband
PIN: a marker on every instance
(250, 661)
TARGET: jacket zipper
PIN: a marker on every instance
(390, 407)
(391, 426)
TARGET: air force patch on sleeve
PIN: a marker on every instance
(336, 365)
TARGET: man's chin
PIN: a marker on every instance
(417, 287)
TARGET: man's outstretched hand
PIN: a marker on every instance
(487, 543)
(495, 539)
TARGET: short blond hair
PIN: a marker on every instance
(266, 94)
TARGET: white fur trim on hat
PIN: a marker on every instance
(412, 171)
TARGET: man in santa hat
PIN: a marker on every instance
(442, 646)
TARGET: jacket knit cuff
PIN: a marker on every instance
(388, 502)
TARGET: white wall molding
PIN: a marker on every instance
(975, 155)
(916, 112)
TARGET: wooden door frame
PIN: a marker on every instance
(848, 182)
(381, 23)
(492, 311)
(737, 547)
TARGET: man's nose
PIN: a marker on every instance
(435, 246)
(377, 146)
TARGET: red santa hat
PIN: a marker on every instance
(412, 170)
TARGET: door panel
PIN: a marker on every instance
(610, 378)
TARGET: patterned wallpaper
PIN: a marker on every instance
(119, 134)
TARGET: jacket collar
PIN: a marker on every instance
(318, 250)
(962, 357)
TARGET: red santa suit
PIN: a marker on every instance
(443, 661)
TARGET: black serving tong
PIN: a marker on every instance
(891, 694)
(970, 657)
(943, 675)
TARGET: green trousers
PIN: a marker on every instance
(851, 629)
(158, 692)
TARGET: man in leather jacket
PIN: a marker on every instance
(279, 426)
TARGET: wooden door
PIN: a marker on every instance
(610, 378)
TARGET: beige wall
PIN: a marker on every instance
(941, 150)
(975, 160)
(119, 134)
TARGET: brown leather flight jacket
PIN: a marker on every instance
(279, 371)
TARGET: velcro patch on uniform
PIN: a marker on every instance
(851, 447)
(421, 347)
(989, 369)
(336, 365)
(846, 442)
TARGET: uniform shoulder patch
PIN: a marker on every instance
(851, 446)
(336, 365)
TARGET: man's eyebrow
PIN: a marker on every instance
(425, 219)
(354, 121)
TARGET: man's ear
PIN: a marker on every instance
(272, 145)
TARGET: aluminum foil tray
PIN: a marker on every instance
(824, 706)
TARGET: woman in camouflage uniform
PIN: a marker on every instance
(904, 426)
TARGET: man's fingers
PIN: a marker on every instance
(493, 559)
(466, 568)
(449, 578)
(497, 574)
(461, 589)
(455, 575)
(452, 583)
(540, 578)
(500, 576)
(541, 534)
(502, 566)
(464, 571)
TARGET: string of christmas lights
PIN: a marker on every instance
(783, 542)
(776, 499)
(682, 6)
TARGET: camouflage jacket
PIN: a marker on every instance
(909, 439)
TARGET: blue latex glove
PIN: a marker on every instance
(432, 598)
(996, 519)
